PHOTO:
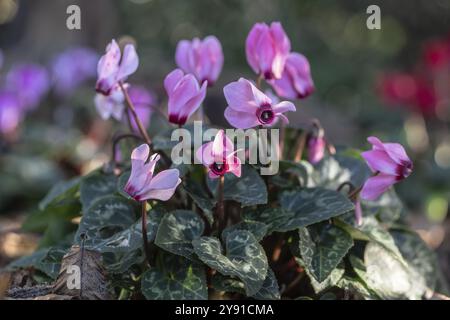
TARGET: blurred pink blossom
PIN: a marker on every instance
(202, 58)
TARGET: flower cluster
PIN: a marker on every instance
(268, 51)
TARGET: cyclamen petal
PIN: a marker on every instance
(390, 163)
(240, 119)
(249, 107)
(267, 49)
(378, 160)
(374, 187)
(219, 156)
(111, 105)
(162, 186)
(202, 58)
(143, 185)
(316, 149)
(112, 69)
(185, 95)
(129, 63)
(296, 81)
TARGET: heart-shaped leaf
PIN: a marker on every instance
(177, 230)
(248, 190)
(181, 279)
(106, 217)
(130, 239)
(322, 247)
(309, 206)
(258, 229)
(418, 255)
(388, 277)
(60, 193)
(269, 290)
(201, 199)
(95, 186)
(245, 258)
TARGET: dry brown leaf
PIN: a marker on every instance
(91, 283)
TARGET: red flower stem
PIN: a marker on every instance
(130, 126)
(220, 210)
(258, 81)
(144, 232)
(300, 146)
(135, 116)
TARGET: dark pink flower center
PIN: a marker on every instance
(268, 75)
(219, 169)
(404, 170)
(265, 114)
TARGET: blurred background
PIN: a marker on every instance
(393, 83)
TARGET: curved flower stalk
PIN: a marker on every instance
(296, 81)
(185, 95)
(249, 107)
(202, 58)
(219, 157)
(267, 49)
(143, 184)
(390, 164)
(30, 82)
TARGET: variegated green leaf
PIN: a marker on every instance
(418, 255)
(390, 278)
(322, 247)
(258, 229)
(177, 230)
(248, 190)
(245, 258)
(269, 290)
(106, 217)
(95, 186)
(309, 206)
(181, 279)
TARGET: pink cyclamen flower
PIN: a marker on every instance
(267, 49)
(316, 149)
(249, 107)
(11, 112)
(185, 95)
(113, 67)
(142, 184)
(219, 156)
(71, 68)
(389, 162)
(202, 58)
(30, 82)
(296, 81)
(143, 101)
(111, 105)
